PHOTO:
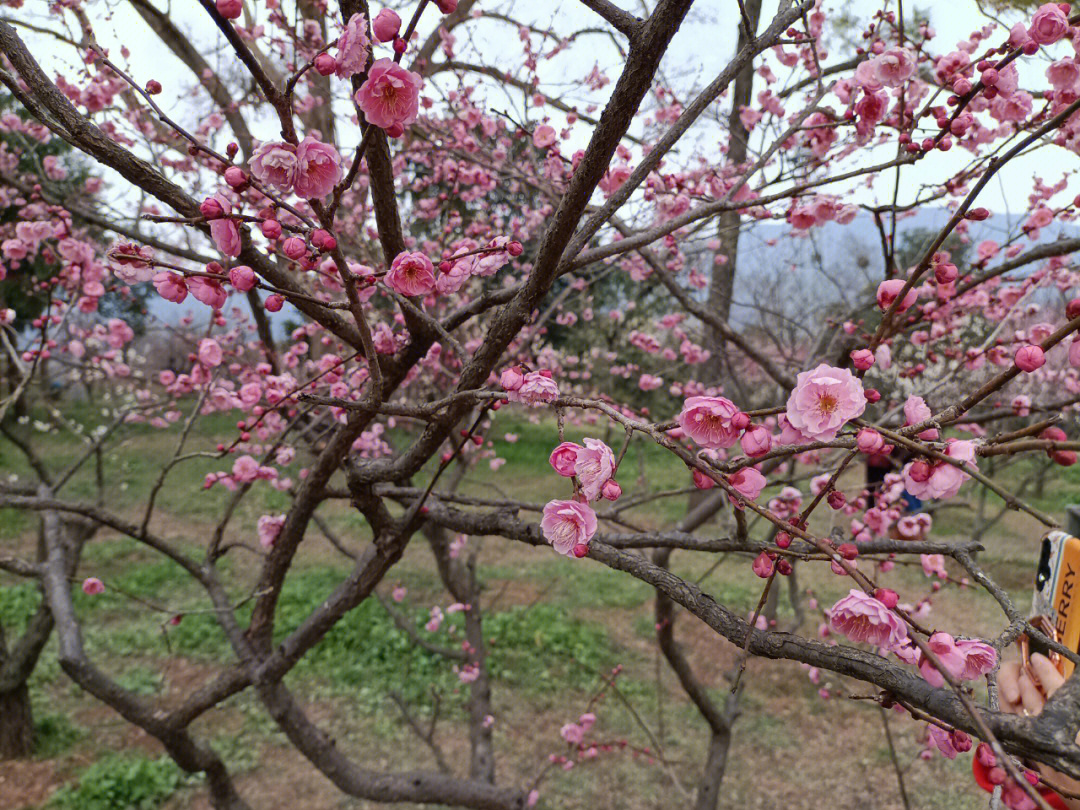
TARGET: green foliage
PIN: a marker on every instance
(544, 647)
(17, 604)
(121, 783)
(54, 734)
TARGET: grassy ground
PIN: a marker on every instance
(556, 626)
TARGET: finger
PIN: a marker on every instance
(1030, 696)
(1009, 682)
(1049, 677)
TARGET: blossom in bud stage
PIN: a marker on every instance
(511, 380)
(211, 208)
(274, 163)
(325, 64)
(447, 6)
(389, 97)
(514, 248)
(763, 565)
(235, 177)
(701, 480)
(1072, 309)
(708, 421)
(869, 441)
(92, 586)
(567, 525)
(823, 400)
(274, 303)
(564, 457)
(978, 214)
(887, 597)
(386, 25)
(242, 278)
(153, 87)
(353, 47)
(863, 618)
(1048, 24)
(836, 499)
(230, 9)
(294, 247)
(611, 491)
(411, 274)
(945, 273)
(1030, 358)
(862, 359)
(740, 421)
(889, 290)
(270, 228)
(756, 441)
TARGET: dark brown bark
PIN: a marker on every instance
(16, 723)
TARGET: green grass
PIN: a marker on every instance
(55, 734)
(17, 604)
(121, 783)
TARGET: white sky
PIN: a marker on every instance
(701, 48)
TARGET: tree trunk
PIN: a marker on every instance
(16, 724)
(722, 283)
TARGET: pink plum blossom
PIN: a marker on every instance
(823, 400)
(568, 525)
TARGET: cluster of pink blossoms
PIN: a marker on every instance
(311, 168)
(570, 525)
(869, 620)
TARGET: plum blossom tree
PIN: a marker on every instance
(443, 257)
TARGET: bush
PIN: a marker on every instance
(121, 783)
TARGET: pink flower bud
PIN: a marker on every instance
(242, 278)
(581, 550)
(274, 303)
(740, 421)
(702, 481)
(153, 87)
(836, 499)
(611, 491)
(783, 540)
(849, 551)
(978, 214)
(887, 597)
(386, 25)
(862, 359)
(756, 441)
(230, 9)
(945, 273)
(235, 177)
(872, 395)
(270, 228)
(511, 379)
(919, 471)
(325, 64)
(514, 248)
(869, 441)
(447, 6)
(211, 209)
(1030, 358)
(763, 565)
(294, 247)
(92, 586)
